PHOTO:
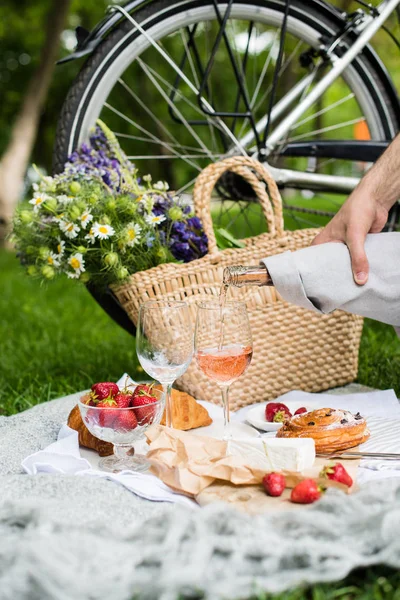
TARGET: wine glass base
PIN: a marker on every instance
(113, 464)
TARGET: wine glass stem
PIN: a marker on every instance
(123, 450)
(225, 406)
(168, 404)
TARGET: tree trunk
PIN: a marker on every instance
(15, 159)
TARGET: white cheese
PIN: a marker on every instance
(275, 454)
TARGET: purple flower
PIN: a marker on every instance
(194, 222)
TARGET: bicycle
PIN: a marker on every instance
(186, 82)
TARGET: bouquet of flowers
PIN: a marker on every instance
(99, 222)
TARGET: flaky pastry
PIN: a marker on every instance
(332, 429)
(186, 412)
(87, 439)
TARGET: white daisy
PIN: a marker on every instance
(133, 234)
(90, 236)
(59, 218)
(72, 275)
(70, 229)
(53, 260)
(63, 199)
(161, 185)
(60, 248)
(77, 263)
(38, 199)
(102, 230)
(154, 219)
(85, 218)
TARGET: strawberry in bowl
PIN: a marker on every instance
(121, 417)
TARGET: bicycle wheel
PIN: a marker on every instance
(162, 127)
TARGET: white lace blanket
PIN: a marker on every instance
(70, 537)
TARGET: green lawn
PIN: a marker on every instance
(56, 340)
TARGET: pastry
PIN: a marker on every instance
(186, 412)
(332, 430)
(85, 437)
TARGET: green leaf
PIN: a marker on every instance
(226, 240)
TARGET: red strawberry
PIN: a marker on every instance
(301, 410)
(276, 412)
(144, 415)
(126, 420)
(337, 472)
(92, 417)
(109, 412)
(274, 484)
(104, 390)
(87, 399)
(305, 492)
(123, 399)
(143, 387)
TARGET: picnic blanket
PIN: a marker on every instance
(66, 537)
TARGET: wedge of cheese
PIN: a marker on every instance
(275, 454)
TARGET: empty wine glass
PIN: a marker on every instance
(164, 343)
(223, 346)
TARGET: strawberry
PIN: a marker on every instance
(143, 387)
(87, 399)
(305, 492)
(104, 390)
(123, 399)
(92, 417)
(142, 398)
(338, 473)
(126, 420)
(276, 412)
(109, 413)
(301, 410)
(274, 484)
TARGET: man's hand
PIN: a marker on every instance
(359, 215)
(366, 210)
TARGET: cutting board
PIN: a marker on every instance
(252, 499)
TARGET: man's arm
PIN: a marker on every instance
(320, 279)
(366, 210)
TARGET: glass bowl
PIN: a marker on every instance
(123, 427)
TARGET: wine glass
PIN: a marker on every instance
(164, 343)
(223, 346)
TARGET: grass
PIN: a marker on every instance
(56, 340)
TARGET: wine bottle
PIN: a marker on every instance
(240, 276)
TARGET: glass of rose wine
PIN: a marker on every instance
(223, 346)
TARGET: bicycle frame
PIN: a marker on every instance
(367, 28)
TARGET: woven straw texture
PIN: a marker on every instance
(293, 348)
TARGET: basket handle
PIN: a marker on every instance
(244, 166)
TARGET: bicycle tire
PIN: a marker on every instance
(68, 132)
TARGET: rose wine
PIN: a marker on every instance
(222, 301)
(240, 276)
(224, 365)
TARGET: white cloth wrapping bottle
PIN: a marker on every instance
(320, 278)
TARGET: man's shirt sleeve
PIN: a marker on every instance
(320, 278)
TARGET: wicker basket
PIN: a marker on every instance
(293, 348)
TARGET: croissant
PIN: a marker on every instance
(332, 430)
(186, 412)
(85, 437)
